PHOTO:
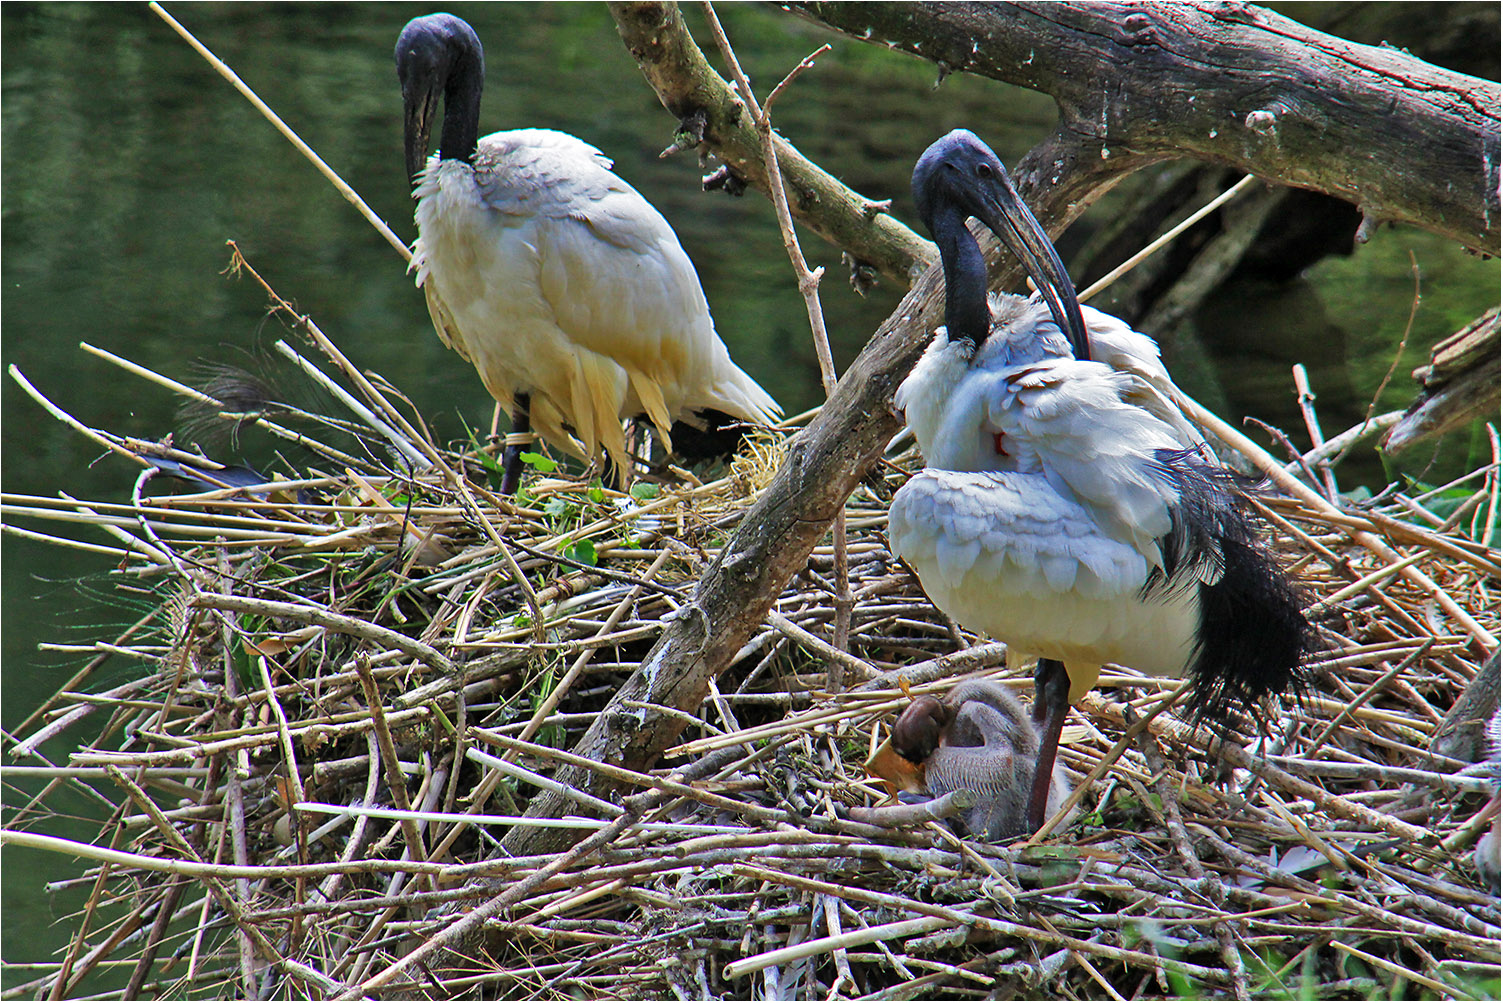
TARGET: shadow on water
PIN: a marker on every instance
(127, 164)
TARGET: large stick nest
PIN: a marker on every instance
(310, 640)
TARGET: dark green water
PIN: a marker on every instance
(127, 164)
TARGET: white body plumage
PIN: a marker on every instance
(557, 279)
(1008, 555)
(1040, 516)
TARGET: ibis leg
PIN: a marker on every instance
(511, 457)
(1051, 701)
(611, 476)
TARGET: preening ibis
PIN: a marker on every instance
(567, 290)
(978, 738)
(1066, 507)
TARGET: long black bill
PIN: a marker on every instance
(1005, 215)
(419, 112)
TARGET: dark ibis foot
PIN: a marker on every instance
(511, 470)
(511, 457)
(1051, 701)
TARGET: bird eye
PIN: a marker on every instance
(983, 170)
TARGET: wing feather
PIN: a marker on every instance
(1012, 525)
(1073, 419)
(619, 284)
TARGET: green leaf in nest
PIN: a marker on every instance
(582, 551)
(561, 508)
(540, 463)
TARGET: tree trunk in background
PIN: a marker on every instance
(1263, 239)
(1233, 84)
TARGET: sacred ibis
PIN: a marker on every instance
(978, 738)
(567, 290)
(1066, 507)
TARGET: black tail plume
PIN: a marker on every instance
(1253, 637)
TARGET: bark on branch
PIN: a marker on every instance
(1459, 384)
(1232, 84)
(693, 92)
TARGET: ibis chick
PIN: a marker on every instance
(980, 739)
(1067, 508)
(563, 286)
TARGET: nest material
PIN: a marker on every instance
(408, 643)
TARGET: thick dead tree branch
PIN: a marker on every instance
(711, 116)
(1058, 178)
(1233, 84)
(1459, 384)
(710, 113)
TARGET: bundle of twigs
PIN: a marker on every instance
(352, 676)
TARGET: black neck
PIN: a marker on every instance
(462, 108)
(966, 312)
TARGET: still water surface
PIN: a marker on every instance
(128, 164)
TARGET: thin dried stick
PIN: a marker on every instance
(1306, 398)
(551, 701)
(1154, 246)
(1367, 694)
(1398, 353)
(328, 172)
(228, 902)
(808, 284)
(192, 393)
(826, 650)
(1445, 991)
(414, 447)
(633, 809)
(101, 438)
(396, 783)
(966, 918)
(1338, 445)
(1275, 472)
(333, 621)
(1231, 957)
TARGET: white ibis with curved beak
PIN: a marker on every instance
(1067, 508)
(567, 290)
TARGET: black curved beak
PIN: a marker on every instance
(419, 111)
(1002, 210)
